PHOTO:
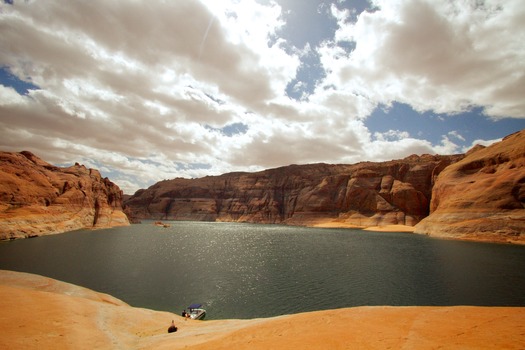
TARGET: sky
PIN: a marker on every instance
(152, 90)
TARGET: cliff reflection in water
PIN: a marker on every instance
(247, 271)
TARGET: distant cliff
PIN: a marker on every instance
(363, 194)
(481, 197)
(38, 198)
(478, 196)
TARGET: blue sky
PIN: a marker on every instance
(464, 128)
(146, 91)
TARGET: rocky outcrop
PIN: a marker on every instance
(481, 197)
(38, 198)
(363, 194)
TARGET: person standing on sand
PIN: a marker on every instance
(185, 315)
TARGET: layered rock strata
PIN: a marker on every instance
(481, 197)
(364, 194)
(38, 198)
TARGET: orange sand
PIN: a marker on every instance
(382, 228)
(39, 312)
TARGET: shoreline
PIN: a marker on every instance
(40, 312)
(411, 229)
(381, 228)
(329, 223)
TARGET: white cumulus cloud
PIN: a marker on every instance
(148, 91)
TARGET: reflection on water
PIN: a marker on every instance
(246, 271)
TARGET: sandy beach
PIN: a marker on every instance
(39, 312)
(382, 228)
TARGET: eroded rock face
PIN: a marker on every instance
(481, 197)
(38, 198)
(364, 194)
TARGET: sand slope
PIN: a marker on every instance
(39, 312)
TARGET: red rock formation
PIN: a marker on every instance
(38, 198)
(364, 194)
(481, 197)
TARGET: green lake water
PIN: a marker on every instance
(247, 271)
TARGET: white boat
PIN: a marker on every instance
(196, 312)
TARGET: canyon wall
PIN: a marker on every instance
(38, 198)
(363, 194)
(481, 197)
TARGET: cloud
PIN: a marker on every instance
(456, 135)
(391, 135)
(9, 96)
(190, 88)
(485, 143)
(441, 56)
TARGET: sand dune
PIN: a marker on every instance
(39, 312)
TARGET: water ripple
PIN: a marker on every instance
(246, 271)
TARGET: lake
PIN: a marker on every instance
(246, 271)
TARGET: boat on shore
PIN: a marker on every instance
(196, 312)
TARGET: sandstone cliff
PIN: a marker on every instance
(37, 198)
(481, 197)
(363, 194)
